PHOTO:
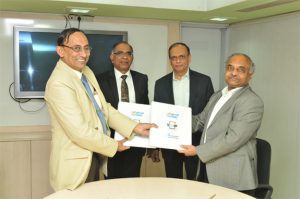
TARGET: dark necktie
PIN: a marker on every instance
(124, 89)
(91, 96)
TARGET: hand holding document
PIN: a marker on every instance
(121, 146)
(140, 113)
(174, 126)
(143, 129)
(188, 150)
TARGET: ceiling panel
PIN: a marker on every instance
(234, 10)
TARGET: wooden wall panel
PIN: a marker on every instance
(15, 173)
(40, 151)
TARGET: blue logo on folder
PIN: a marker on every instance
(137, 113)
(173, 115)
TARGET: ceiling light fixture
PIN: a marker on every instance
(80, 10)
(218, 19)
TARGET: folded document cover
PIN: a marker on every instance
(139, 113)
(174, 124)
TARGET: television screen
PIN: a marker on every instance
(35, 56)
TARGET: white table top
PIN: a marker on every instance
(148, 188)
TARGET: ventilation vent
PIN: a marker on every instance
(267, 5)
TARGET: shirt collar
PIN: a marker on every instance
(186, 75)
(226, 92)
(119, 74)
(77, 73)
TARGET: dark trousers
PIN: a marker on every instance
(125, 164)
(94, 170)
(174, 162)
(202, 176)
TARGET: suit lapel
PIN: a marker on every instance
(169, 85)
(113, 88)
(192, 89)
(90, 80)
(228, 104)
(136, 84)
(215, 99)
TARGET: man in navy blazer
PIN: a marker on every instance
(230, 122)
(188, 88)
(110, 84)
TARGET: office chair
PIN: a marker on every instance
(264, 189)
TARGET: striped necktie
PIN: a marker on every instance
(91, 96)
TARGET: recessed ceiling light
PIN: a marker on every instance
(218, 19)
(80, 10)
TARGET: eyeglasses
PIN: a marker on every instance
(121, 53)
(77, 48)
(179, 58)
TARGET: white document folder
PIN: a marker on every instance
(139, 113)
(174, 126)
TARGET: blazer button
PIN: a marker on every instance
(96, 128)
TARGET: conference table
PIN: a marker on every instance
(148, 188)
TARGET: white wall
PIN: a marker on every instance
(205, 45)
(150, 43)
(274, 46)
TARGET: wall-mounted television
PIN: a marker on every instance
(35, 56)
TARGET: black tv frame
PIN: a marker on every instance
(30, 86)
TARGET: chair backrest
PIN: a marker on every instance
(263, 161)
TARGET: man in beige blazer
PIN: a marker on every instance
(79, 144)
(230, 122)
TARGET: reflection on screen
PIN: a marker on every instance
(38, 57)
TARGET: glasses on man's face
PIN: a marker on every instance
(178, 58)
(239, 70)
(77, 48)
(122, 54)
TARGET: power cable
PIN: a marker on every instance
(21, 101)
(79, 20)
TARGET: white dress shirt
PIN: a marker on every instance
(226, 95)
(181, 90)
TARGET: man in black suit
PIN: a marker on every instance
(188, 88)
(137, 86)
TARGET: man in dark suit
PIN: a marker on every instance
(188, 88)
(137, 85)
